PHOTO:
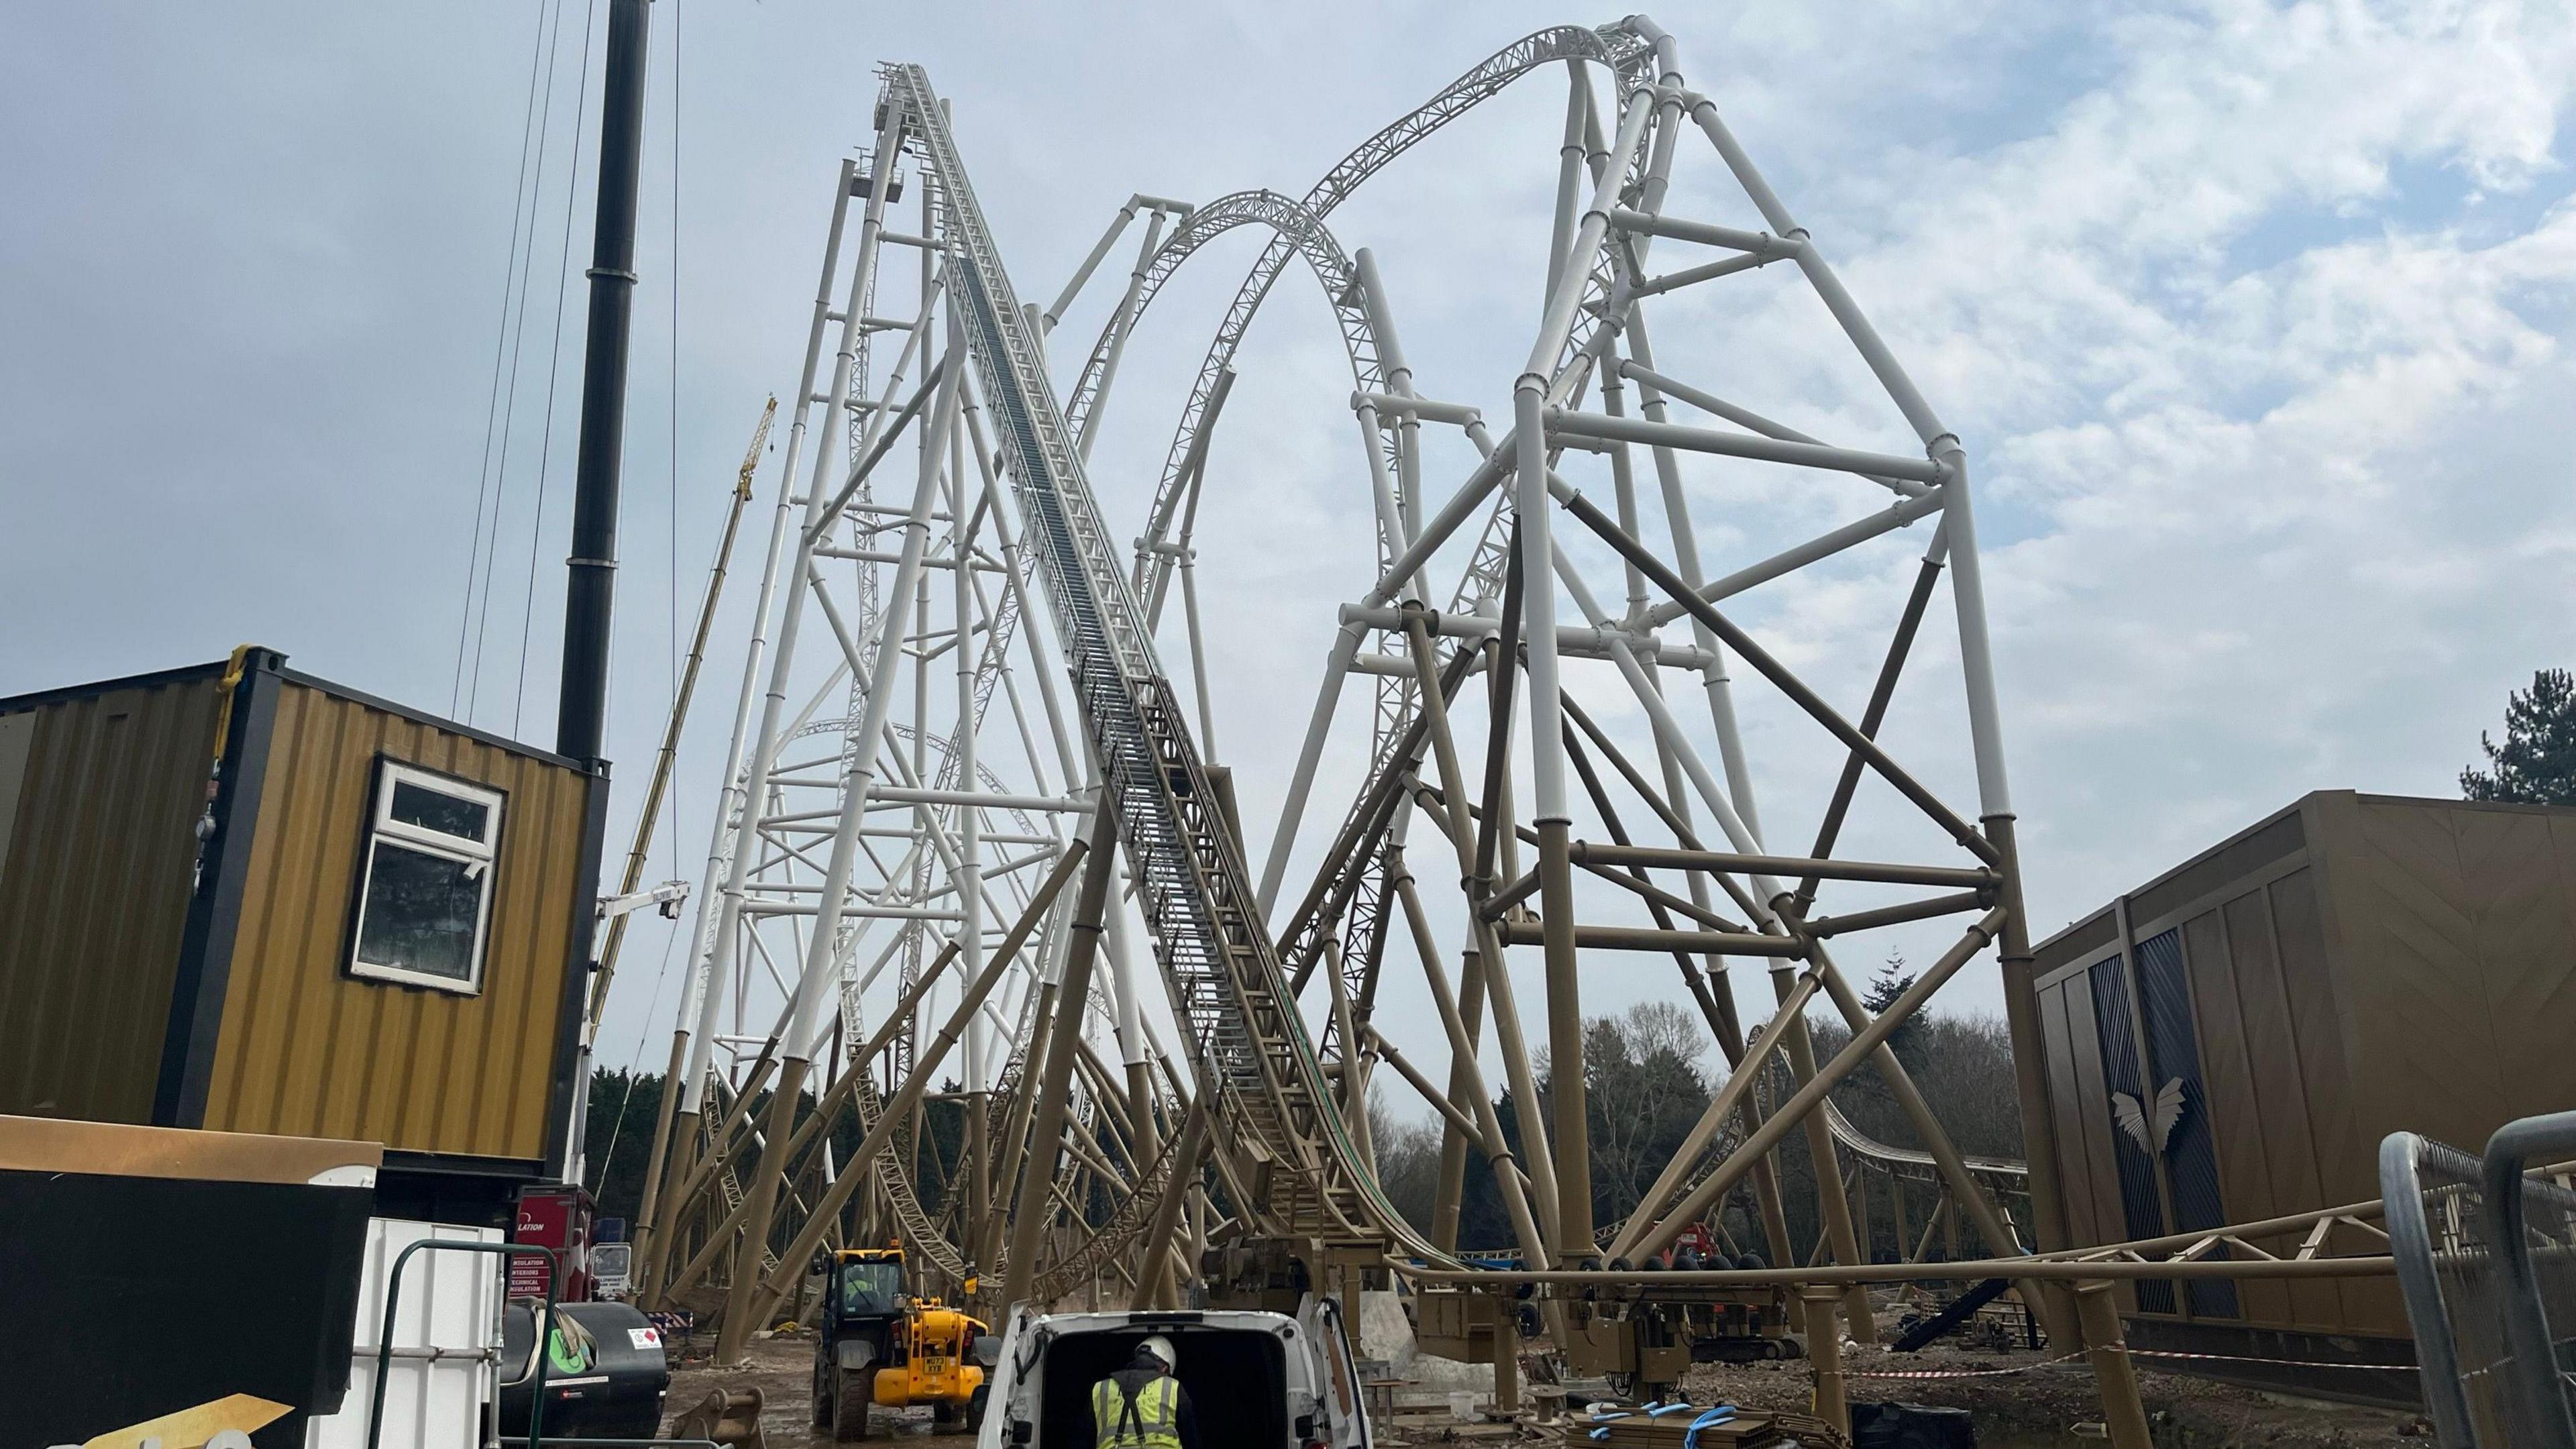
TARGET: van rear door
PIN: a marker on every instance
(1337, 1379)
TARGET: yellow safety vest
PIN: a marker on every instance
(1150, 1420)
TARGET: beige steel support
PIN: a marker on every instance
(1570, 1141)
(1536, 1158)
(759, 1199)
(980, 1179)
(1825, 1352)
(2030, 1072)
(723, 1148)
(992, 1230)
(1730, 1099)
(654, 1248)
(1160, 1281)
(1718, 1003)
(1158, 1289)
(1803, 1102)
(1498, 1153)
(1860, 1210)
(826, 1110)
(2113, 1374)
(1830, 1202)
(1446, 1200)
(697, 1155)
(1046, 1131)
(1931, 1225)
(926, 1060)
(1421, 1084)
(1964, 1188)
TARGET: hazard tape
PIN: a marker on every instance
(2305, 1363)
(1959, 1373)
(2133, 1353)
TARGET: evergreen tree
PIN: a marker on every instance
(1893, 981)
(2536, 764)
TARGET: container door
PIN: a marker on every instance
(1337, 1378)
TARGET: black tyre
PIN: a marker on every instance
(975, 1408)
(850, 1394)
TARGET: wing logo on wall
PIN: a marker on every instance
(2152, 1133)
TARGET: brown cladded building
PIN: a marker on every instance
(2355, 965)
(240, 898)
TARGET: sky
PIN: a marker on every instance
(2254, 319)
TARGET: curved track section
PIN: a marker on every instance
(1860, 1144)
(1617, 46)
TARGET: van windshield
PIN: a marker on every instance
(870, 1287)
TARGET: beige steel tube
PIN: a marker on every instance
(1803, 1102)
(1046, 1133)
(2113, 1374)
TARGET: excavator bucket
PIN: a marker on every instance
(725, 1416)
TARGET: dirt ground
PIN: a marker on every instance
(2040, 1405)
(2057, 1404)
(783, 1370)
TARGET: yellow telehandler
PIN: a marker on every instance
(880, 1345)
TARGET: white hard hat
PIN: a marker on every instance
(1161, 1347)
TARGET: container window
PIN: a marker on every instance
(425, 899)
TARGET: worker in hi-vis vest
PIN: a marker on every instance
(1142, 1406)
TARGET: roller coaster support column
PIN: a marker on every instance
(2021, 991)
(675, 1132)
(1946, 1158)
(1046, 1133)
(1157, 1288)
(1830, 1202)
(861, 1167)
(720, 942)
(2113, 1374)
(1159, 1279)
(1825, 1351)
(822, 965)
(1569, 1145)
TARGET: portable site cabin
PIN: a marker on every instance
(2352, 966)
(240, 898)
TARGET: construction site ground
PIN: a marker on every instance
(2057, 1404)
(783, 1370)
(2041, 1405)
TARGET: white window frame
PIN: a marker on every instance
(381, 826)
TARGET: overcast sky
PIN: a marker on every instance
(2253, 316)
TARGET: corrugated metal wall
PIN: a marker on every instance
(307, 1049)
(95, 888)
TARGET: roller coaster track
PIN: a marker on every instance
(1249, 1046)
(1249, 1050)
(1299, 228)
(1861, 1144)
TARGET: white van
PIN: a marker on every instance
(1254, 1379)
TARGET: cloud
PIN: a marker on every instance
(2254, 318)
